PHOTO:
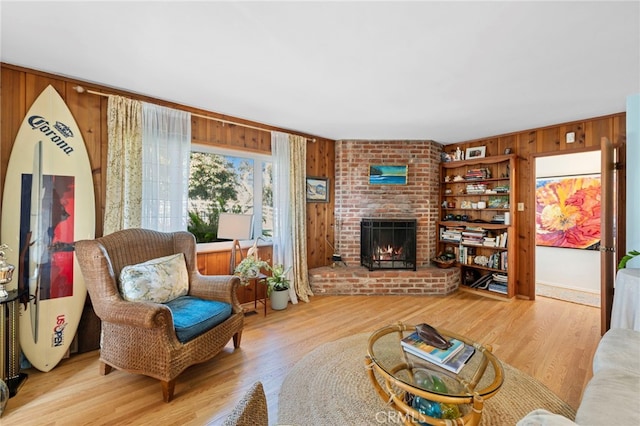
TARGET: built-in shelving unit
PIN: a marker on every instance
(477, 222)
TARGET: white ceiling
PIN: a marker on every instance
(447, 71)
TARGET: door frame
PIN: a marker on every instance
(620, 209)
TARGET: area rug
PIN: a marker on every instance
(329, 386)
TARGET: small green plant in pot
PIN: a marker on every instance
(249, 268)
(278, 286)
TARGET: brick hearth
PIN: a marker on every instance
(357, 280)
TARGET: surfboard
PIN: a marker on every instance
(48, 203)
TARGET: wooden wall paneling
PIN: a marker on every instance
(217, 132)
(263, 140)
(507, 142)
(526, 145)
(36, 83)
(320, 160)
(548, 140)
(312, 246)
(493, 147)
(198, 130)
(619, 129)
(87, 111)
(251, 138)
(597, 129)
(13, 108)
(238, 136)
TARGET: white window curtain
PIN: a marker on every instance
(282, 235)
(166, 148)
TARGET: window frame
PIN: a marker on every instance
(259, 160)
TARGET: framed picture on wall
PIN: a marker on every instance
(386, 174)
(475, 152)
(317, 190)
(565, 211)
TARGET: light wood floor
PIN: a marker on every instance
(551, 340)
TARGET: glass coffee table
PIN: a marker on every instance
(424, 392)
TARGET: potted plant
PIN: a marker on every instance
(627, 257)
(278, 286)
(249, 268)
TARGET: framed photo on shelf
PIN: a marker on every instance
(317, 190)
(383, 174)
(475, 152)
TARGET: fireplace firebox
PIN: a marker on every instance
(388, 243)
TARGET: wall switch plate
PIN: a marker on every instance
(571, 137)
(520, 207)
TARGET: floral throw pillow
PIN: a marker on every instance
(157, 280)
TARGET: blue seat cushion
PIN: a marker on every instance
(193, 316)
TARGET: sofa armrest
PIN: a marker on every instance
(542, 417)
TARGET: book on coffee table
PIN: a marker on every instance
(455, 364)
(416, 345)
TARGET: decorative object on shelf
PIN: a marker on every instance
(475, 152)
(317, 190)
(6, 272)
(278, 286)
(444, 262)
(458, 154)
(446, 157)
(481, 260)
(498, 202)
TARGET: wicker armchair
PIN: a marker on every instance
(139, 337)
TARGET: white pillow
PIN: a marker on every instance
(157, 280)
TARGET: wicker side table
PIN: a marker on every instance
(391, 370)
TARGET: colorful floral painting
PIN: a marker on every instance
(568, 212)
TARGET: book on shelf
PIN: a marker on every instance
(456, 363)
(498, 287)
(482, 282)
(416, 345)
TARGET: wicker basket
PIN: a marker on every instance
(444, 264)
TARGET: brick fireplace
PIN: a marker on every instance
(356, 199)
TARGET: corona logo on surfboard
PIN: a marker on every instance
(37, 122)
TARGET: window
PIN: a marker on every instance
(229, 181)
